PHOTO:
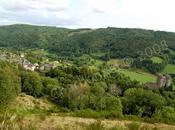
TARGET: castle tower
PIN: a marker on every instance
(168, 80)
(161, 81)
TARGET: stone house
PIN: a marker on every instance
(27, 65)
(47, 66)
(162, 81)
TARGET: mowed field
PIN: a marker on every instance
(169, 69)
(140, 76)
(157, 59)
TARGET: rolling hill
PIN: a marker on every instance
(117, 42)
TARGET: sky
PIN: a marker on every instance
(146, 14)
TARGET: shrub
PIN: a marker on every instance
(167, 115)
(134, 126)
(96, 126)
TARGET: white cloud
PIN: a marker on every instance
(147, 7)
(102, 6)
(7, 22)
(22, 5)
(148, 14)
(44, 12)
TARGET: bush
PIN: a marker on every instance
(96, 126)
(167, 115)
(89, 113)
(134, 126)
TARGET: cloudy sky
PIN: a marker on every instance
(147, 14)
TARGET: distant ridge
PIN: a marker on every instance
(120, 42)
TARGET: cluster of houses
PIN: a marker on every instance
(29, 66)
(8, 56)
(162, 80)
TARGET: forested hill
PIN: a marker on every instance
(119, 42)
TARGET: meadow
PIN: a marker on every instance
(140, 76)
(169, 69)
(156, 59)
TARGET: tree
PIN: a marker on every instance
(31, 83)
(113, 104)
(77, 96)
(49, 84)
(138, 101)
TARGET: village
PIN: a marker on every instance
(29, 66)
(21, 59)
(47, 64)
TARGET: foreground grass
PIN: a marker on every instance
(29, 113)
(56, 122)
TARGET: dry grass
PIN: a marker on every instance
(56, 122)
(28, 102)
(43, 121)
(74, 123)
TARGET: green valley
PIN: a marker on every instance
(86, 79)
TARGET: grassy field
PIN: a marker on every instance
(115, 62)
(169, 69)
(25, 117)
(40, 52)
(140, 76)
(56, 122)
(172, 52)
(156, 59)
